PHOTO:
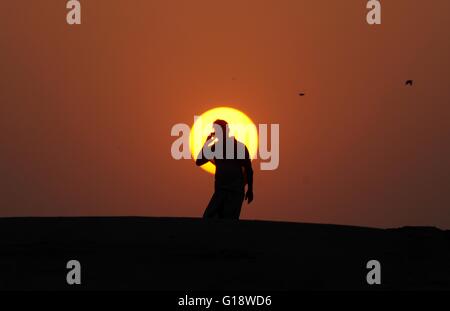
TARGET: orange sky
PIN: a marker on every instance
(86, 111)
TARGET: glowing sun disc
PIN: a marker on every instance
(241, 127)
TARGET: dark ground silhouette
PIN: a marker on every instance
(194, 254)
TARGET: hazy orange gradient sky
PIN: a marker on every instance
(86, 111)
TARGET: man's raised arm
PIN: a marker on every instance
(201, 159)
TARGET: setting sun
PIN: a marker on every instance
(241, 127)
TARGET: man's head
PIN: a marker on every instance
(221, 129)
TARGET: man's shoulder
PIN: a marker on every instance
(239, 144)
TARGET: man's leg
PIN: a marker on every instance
(233, 204)
(215, 205)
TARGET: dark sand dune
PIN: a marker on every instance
(191, 254)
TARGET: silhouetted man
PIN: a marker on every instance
(233, 171)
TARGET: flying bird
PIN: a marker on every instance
(409, 82)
